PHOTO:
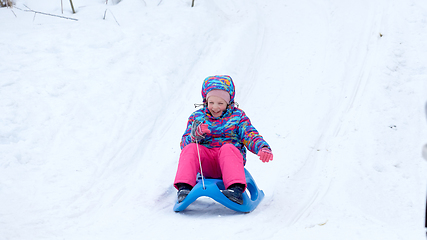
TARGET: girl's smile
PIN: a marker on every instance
(216, 106)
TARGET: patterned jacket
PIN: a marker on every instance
(232, 127)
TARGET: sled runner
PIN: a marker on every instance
(213, 189)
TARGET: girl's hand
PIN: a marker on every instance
(198, 131)
(202, 130)
(265, 154)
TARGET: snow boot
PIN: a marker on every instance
(235, 193)
(183, 190)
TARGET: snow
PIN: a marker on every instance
(92, 112)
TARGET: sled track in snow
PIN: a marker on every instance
(353, 85)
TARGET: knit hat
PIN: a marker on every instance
(219, 93)
(222, 82)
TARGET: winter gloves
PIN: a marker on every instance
(202, 129)
(199, 130)
(265, 154)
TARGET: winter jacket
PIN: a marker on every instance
(232, 127)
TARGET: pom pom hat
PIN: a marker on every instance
(219, 82)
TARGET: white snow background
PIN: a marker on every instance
(92, 112)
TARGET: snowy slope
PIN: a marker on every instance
(92, 112)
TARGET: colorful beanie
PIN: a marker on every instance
(221, 82)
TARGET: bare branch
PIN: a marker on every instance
(13, 12)
(72, 6)
(105, 14)
(48, 14)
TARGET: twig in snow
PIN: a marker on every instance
(52, 15)
(72, 7)
(13, 12)
(9, 4)
(105, 14)
(192, 4)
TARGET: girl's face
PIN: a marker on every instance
(216, 106)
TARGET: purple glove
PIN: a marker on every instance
(265, 154)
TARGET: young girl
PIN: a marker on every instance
(222, 132)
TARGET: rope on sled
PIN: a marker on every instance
(200, 163)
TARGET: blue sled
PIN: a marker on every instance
(213, 189)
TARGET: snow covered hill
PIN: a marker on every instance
(92, 112)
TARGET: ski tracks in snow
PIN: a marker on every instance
(350, 39)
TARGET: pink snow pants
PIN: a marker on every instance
(225, 162)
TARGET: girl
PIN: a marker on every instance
(223, 133)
